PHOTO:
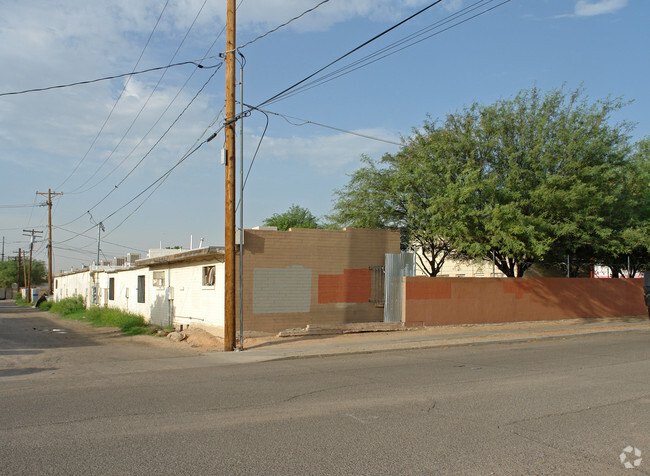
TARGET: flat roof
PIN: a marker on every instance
(200, 254)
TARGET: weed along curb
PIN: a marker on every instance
(75, 309)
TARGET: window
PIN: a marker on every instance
(141, 288)
(159, 279)
(56, 284)
(208, 275)
(111, 289)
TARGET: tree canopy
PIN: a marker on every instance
(524, 180)
(295, 217)
(9, 270)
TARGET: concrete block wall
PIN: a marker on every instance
(69, 285)
(126, 291)
(299, 277)
(443, 301)
(194, 303)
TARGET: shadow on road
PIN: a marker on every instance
(19, 372)
(24, 330)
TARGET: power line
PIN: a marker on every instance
(153, 91)
(110, 114)
(365, 61)
(103, 240)
(365, 43)
(106, 78)
(152, 127)
(258, 147)
(281, 26)
(149, 151)
(24, 205)
(162, 177)
(345, 131)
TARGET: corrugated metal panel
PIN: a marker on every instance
(397, 266)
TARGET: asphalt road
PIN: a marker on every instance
(86, 401)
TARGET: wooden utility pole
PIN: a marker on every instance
(24, 269)
(50, 251)
(229, 298)
(20, 252)
(32, 234)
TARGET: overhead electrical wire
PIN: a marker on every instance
(103, 239)
(24, 205)
(162, 178)
(153, 91)
(357, 48)
(148, 152)
(110, 114)
(366, 61)
(107, 78)
(345, 131)
(281, 26)
(154, 125)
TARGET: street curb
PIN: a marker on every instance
(442, 344)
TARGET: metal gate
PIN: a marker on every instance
(377, 285)
(397, 266)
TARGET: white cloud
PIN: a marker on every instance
(586, 8)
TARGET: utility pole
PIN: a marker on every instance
(3, 248)
(50, 251)
(20, 252)
(229, 258)
(100, 228)
(24, 269)
(241, 202)
(31, 233)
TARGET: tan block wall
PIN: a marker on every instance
(444, 301)
(283, 269)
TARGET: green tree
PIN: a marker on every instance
(8, 271)
(629, 217)
(526, 179)
(295, 217)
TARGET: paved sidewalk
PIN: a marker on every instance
(283, 348)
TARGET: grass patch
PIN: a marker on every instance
(45, 305)
(69, 306)
(74, 308)
(21, 302)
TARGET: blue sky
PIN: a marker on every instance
(52, 139)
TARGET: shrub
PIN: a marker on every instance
(69, 306)
(128, 323)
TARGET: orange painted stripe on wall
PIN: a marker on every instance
(353, 286)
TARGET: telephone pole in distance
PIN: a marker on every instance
(50, 252)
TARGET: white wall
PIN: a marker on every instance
(77, 284)
(192, 303)
(126, 291)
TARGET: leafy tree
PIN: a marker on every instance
(8, 271)
(295, 217)
(629, 217)
(527, 179)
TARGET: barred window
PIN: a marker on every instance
(208, 275)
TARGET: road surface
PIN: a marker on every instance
(78, 400)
